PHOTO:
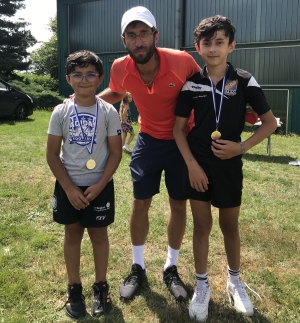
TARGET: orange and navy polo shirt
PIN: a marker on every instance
(156, 105)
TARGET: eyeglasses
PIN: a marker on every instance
(77, 77)
(144, 36)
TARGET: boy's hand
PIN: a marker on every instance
(226, 149)
(93, 191)
(198, 178)
(76, 198)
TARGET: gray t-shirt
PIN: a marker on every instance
(75, 154)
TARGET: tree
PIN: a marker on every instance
(45, 58)
(14, 39)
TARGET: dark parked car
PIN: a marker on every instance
(14, 103)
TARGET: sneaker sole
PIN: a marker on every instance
(179, 299)
(129, 299)
(75, 317)
(194, 317)
(231, 301)
(101, 314)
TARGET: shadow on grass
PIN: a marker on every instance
(114, 316)
(170, 311)
(269, 159)
(13, 122)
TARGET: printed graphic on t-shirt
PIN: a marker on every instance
(82, 133)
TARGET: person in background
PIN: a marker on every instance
(213, 151)
(125, 117)
(90, 133)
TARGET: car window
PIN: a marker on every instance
(2, 87)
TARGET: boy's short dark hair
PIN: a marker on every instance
(209, 26)
(83, 58)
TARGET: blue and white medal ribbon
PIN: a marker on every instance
(217, 134)
(91, 163)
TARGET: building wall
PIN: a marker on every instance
(268, 39)
(256, 20)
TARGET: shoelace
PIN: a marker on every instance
(253, 291)
(201, 294)
(133, 277)
(242, 292)
(173, 277)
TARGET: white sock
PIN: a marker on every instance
(171, 258)
(138, 255)
(201, 279)
(234, 275)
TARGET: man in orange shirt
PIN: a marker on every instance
(154, 76)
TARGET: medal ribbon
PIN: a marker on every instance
(214, 98)
(90, 150)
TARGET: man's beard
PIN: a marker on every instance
(142, 60)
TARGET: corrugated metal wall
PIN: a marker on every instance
(268, 37)
(295, 113)
(104, 19)
(257, 20)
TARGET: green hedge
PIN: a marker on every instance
(42, 89)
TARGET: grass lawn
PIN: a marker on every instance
(32, 272)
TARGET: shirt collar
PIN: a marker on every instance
(231, 72)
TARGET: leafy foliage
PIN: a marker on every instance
(45, 59)
(14, 38)
(43, 97)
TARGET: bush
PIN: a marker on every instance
(46, 81)
(39, 88)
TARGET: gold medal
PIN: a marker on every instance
(90, 164)
(216, 135)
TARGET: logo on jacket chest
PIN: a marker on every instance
(231, 87)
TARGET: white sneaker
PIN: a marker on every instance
(237, 293)
(199, 306)
(126, 148)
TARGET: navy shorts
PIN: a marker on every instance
(149, 158)
(100, 213)
(224, 188)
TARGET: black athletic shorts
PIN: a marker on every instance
(224, 188)
(100, 213)
(150, 157)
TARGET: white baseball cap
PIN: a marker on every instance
(137, 14)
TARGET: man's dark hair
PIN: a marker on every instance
(209, 26)
(83, 58)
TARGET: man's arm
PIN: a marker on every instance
(111, 97)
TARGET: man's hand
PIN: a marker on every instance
(226, 149)
(70, 97)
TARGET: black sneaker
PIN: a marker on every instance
(102, 303)
(175, 285)
(131, 284)
(75, 305)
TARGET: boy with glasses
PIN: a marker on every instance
(89, 130)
